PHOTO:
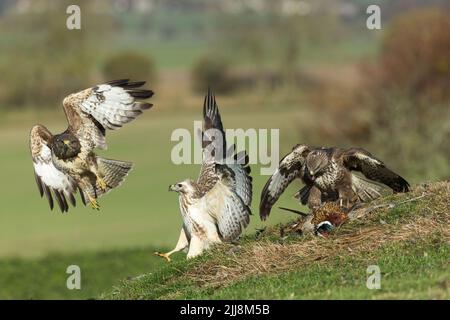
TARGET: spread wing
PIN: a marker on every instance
(374, 169)
(106, 106)
(212, 129)
(289, 168)
(225, 205)
(244, 182)
(49, 179)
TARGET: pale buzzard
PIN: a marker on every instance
(66, 162)
(216, 207)
(329, 175)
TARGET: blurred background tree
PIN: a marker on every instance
(129, 65)
(41, 59)
(407, 89)
(214, 71)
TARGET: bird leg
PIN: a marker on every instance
(347, 197)
(164, 255)
(181, 244)
(101, 183)
(93, 202)
(86, 190)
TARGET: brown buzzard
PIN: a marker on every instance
(216, 207)
(329, 175)
(66, 162)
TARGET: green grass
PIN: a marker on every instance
(45, 278)
(414, 265)
(411, 270)
(419, 272)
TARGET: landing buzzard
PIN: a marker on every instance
(216, 207)
(65, 162)
(329, 175)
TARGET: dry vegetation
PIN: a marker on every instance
(422, 214)
(365, 234)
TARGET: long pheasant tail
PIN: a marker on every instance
(294, 211)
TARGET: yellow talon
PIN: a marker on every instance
(101, 183)
(93, 202)
(163, 255)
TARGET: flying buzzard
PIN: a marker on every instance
(64, 163)
(329, 175)
(216, 207)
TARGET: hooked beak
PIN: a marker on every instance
(66, 142)
(171, 187)
(311, 175)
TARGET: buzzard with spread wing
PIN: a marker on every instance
(216, 207)
(329, 175)
(65, 163)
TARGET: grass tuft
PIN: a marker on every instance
(403, 240)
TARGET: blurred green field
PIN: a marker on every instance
(45, 278)
(141, 212)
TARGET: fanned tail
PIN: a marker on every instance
(113, 171)
(365, 189)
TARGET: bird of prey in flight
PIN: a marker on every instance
(216, 207)
(65, 163)
(329, 174)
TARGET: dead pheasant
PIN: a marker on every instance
(321, 221)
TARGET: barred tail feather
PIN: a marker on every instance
(113, 171)
(365, 189)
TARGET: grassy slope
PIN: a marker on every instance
(410, 244)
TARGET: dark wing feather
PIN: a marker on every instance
(48, 194)
(83, 199)
(374, 169)
(289, 168)
(212, 122)
(39, 184)
(61, 200)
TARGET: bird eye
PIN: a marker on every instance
(179, 185)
